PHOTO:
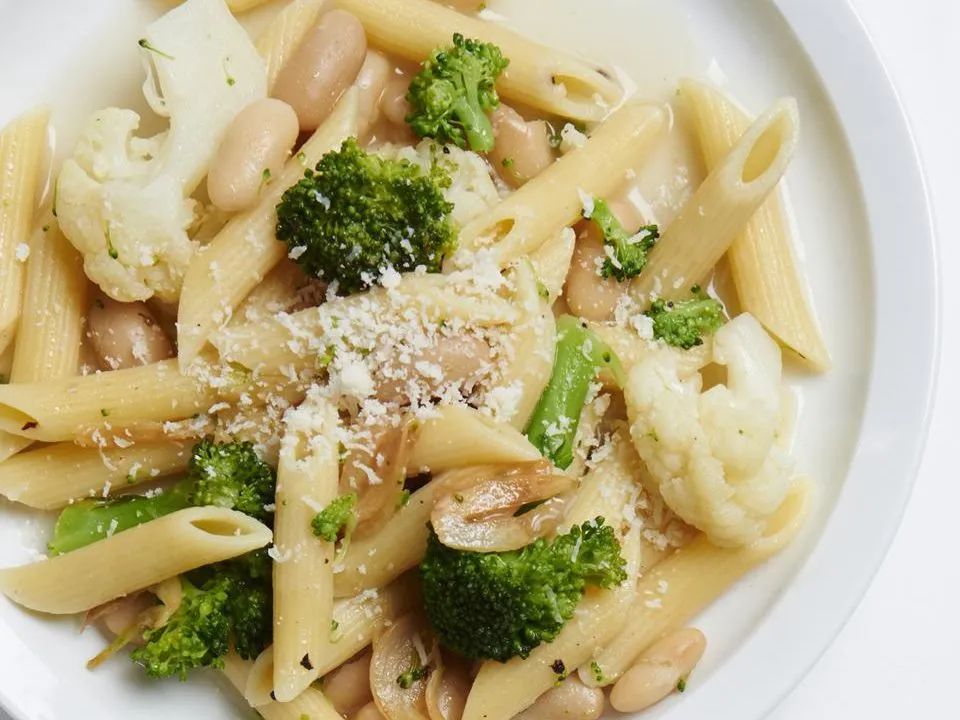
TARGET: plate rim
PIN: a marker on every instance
(819, 25)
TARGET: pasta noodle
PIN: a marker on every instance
(722, 206)
(22, 146)
(537, 76)
(543, 207)
(241, 254)
(51, 477)
(309, 704)
(282, 37)
(460, 436)
(133, 559)
(696, 575)
(764, 266)
(53, 410)
(307, 479)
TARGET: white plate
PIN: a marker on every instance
(864, 220)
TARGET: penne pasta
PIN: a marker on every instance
(23, 144)
(309, 704)
(283, 36)
(241, 254)
(528, 368)
(133, 559)
(551, 262)
(54, 305)
(538, 76)
(295, 340)
(53, 476)
(696, 575)
(722, 206)
(765, 270)
(460, 436)
(307, 479)
(53, 410)
(543, 207)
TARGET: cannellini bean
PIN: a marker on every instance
(393, 102)
(570, 700)
(522, 149)
(658, 670)
(372, 80)
(589, 295)
(252, 152)
(460, 358)
(324, 65)
(348, 687)
(125, 335)
(368, 712)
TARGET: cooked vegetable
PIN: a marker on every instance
(452, 95)
(502, 605)
(683, 323)
(336, 519)
(626, 253)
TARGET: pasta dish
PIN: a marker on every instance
(392, 379)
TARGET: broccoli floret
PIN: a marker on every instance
(229, 475)
(232, 475)
(683, 323)
(336, 519)
(197, 634)
(501, 605)
(451, 96)
(230, 602)
(580, 355)
(358, 214)
(627, 254)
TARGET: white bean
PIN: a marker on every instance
(125, 335)
(252, 152)
(658, 670)
(348, 687)
(570, 700)
(522, 149)
(461, 358)
(324, 65)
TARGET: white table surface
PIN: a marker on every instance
(897, 656)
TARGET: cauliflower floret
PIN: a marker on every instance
(714, 456)
(472, 190)
(124, 201)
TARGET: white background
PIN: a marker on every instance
(897, 657)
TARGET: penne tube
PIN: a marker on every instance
(552, 201)
(23, 144)
(53, 410)
(241, 254)
(769, 282)
(460, 436)
(309, 704)
(53, 476)
(285, 33)
(538, 76)
(133, 559)
(527, 370)
(373, 561)
(551, 262)
(295, 340)
(502, 690)
(10, 445)
(695, 576)
(722, 206)
(307, 479)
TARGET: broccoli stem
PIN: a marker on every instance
(476, 123)
(579, 356)
(88, 521)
